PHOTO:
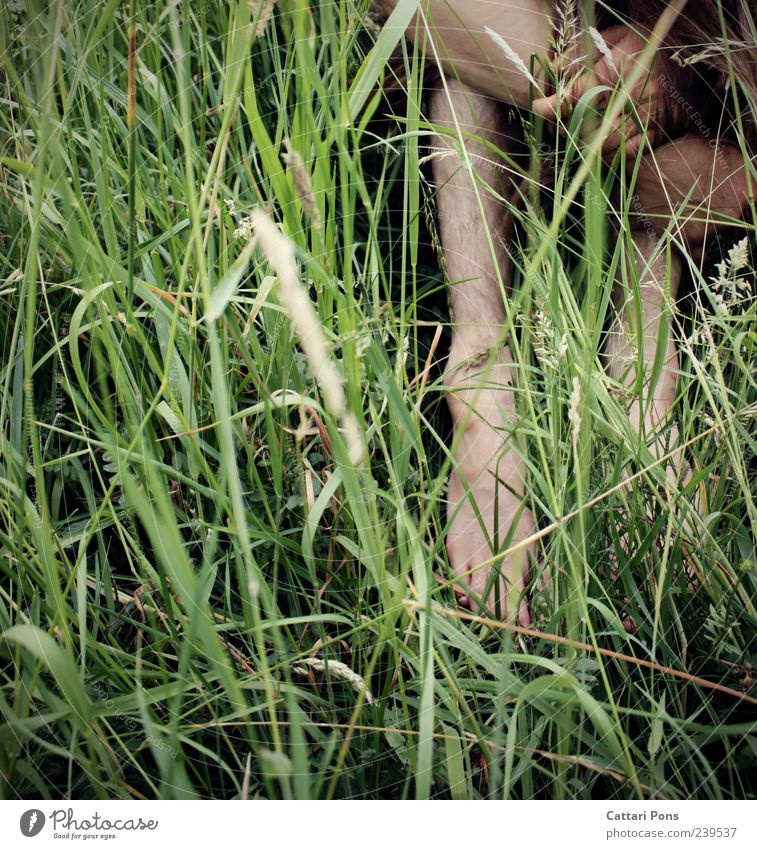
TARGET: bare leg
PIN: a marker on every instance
(649, 411)
(456, 30)
(486, 487)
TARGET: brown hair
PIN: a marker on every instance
(699, 53)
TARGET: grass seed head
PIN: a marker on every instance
(601, 45)
(302, 184)
(338, 670)
(279, 252)
(738, 255)
(511, 55)
(262, 11)
(573, 415)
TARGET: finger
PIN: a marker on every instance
(546, 107)
(628, 136)
(629, 147)
(561, 103)
(632, 145)
(625, 136)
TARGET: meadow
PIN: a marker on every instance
(222, 530)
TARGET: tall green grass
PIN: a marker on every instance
(202, 596)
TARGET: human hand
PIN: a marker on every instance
(622, 52)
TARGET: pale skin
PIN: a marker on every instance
(487, 488)
(480, 374)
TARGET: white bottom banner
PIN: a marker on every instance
(378, 825)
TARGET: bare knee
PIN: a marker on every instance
(466, 50)
(692, 187)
